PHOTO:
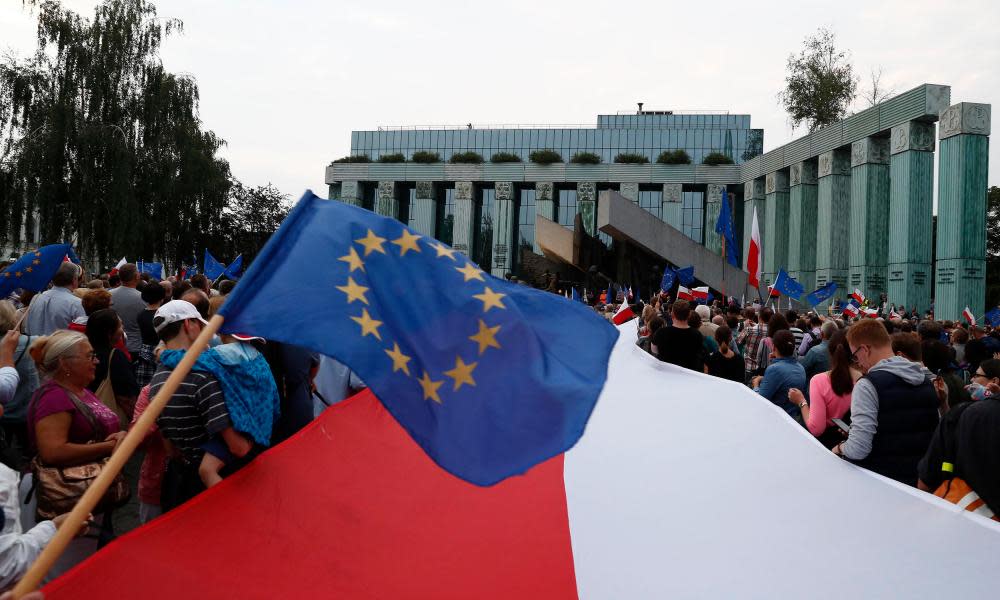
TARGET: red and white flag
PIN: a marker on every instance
(624, 314)
(971, 318)
(857, 295)
(893, 315)
(851, 310)
(120, 264)
(320, 515)
(754, 253)
(700, 293)
(871, 313)
(684, 293)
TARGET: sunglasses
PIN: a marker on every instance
(854, 355)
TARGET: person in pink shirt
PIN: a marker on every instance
(829, 394)
(154, 465)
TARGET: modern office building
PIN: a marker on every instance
(849, 203)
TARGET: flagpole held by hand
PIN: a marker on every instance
(69, 528)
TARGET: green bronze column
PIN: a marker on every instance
(352, 192)
(673, 201)
(713, 200)
(869, 250)
(465, 217)
(386, 203)
(960, 265)
(753, 198)
(833, 207)
(503, 229)
(911, 229)
(545, 204)
(424, 215)
(802, 207)
(775, 234)
(586, 205)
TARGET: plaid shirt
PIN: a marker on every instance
(750, 341)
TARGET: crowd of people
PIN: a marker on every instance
(80, 363)
(915, 400)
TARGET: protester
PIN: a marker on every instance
(959, 338)
(195, 413)
(67, 424)
(335, 382)
(678, 344)
(817, 359)
(813, 336)
(92, 301)
(894, 408)
(783, 374)
(749, 341)
(724, 362)
(226, 286)
(765, 351)
(795, 327)
(154, 464)
(655, 324)
(936, 357)
(962, 462)
(104, 331)
(127, 302)
(57, 307)
(829, 391)
(145, 364)
(14, 439)
(980, 348)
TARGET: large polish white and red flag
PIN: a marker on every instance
(684, 293)
(754, 253)
(624, 313)
(971, 318)
(666, 495)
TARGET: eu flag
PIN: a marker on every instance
(33, 270)
(488, 377)
(213, 268)
(685, 275)
(669, 278)
(234, 269)
(821, 294)
(993, 317)
(786, 285)
(725, 228)
(153, 268)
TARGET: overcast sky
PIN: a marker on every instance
(286, 81)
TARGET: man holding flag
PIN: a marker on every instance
(57, 307)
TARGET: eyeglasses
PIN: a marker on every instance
(91, 356)
(983, 375)
(854, 355)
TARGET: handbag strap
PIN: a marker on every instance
(23, 352)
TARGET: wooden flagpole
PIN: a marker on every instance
(68, 530)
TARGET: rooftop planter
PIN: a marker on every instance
(466, 158)
(425, 157)
(505, 157)
(545, 157)
(359, 158)
(585, 158)
(392, 158)
(673, 157)
(630, 158)
(716, 158)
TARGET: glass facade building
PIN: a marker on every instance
(646, 134)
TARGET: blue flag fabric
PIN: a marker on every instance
(574, 295)
(488, 377)
(686, 276)
(33, 270)
(609, 296)
(822, 294)
(153, 268)
(213, 268)
(724, 227)
(993, 317)
(786, 285)
(235, 269)
(669, 278)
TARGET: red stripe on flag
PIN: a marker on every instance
(350, 507)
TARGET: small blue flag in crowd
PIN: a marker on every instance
(725, 228)
(822, 294)
(155, 269)
(488, 377)
(993, 317)
(33, 270)
(575, 295)
(213, 268)
(785, 284)
(669, 279)
(235, 269)
(686, 276)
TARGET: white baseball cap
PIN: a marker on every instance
(173, 311)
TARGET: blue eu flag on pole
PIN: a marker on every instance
(488, 377)
(669, 278)
(33, 270)
(724, 227)
(213, 268)
(788, 286)
(993, 317)
(234, 269)
(822, 294)
(685, 275)
(153, 268)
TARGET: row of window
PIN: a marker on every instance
(739, 144)
(674, 121)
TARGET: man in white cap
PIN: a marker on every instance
(195, 413)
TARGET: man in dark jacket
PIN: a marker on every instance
(894, 408)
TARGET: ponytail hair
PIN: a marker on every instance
(723, 334)
(48, 349)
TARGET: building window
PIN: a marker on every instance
(566, 212)
(693, 215)
(651, 201)
(446, 217)
(526, 219)
(482, 251)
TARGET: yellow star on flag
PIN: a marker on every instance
(28, 269)
(353, 291)
(399, 360)
(353, 260)
(490, 299)
(470, 272)
(368, 324)
(407, 242)
(486, 337)
(36, 262)
(17, 274)
(443, 250)
(430, 388)
(462, 373)
(372, 243)
(38, 253)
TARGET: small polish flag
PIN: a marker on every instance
(851, 310)
(893, 314)
(624, 314)
(684, 293)
(773, 293)
(857, 295)
(871, 313)
(700, 293)
(754, 253)
(971, 318)
(120, 264)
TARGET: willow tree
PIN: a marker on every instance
(100, 144)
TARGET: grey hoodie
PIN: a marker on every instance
(864, 404)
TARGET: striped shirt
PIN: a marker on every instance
(194, 414)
